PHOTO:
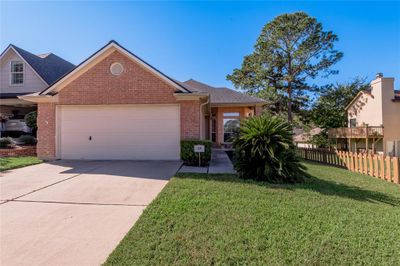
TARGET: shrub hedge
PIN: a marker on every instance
(189, 157)
(5, 142)
(27, 139)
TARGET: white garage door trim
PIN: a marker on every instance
(59, 115)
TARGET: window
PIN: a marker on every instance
(234, 114)
(231, 125)
(17, 73)
(116, 69)
(353, 122)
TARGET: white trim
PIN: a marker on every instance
(102, 51)
(23, 59)
(36, 98)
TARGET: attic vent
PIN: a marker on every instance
(116, 69)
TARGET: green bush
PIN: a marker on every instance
(189, 157)
(30, 120)
(27, 139)
(5, 142)
(264, 150)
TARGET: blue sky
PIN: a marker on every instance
(201, 40)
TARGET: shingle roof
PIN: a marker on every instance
(221, 95)
(306, 136)
(49, 66)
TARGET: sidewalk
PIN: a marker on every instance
(219, 164)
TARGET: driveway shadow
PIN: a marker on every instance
(162, 170)
(315, 184)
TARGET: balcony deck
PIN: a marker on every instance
(356, 132)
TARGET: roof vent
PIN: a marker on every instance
(379, 75)
(116, 69)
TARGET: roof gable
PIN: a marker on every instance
(97, 57)
(357, 97)
(48, 67)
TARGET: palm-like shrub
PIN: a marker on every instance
(264, 150)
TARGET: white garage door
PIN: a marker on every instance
(118, 132)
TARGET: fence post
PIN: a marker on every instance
(348, 160)
(362, 166)
(365, 162)
(382, 167)
(396, 174)
(388, 169)
(376, 166)
(370, 165)
(355, 162)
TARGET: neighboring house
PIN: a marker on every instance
(304, 139)
(373, 119)
(116, 106)
(22, 72)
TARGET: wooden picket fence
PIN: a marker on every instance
(383, 167)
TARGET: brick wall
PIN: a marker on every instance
(136, 85)
(46, 130)
(19, 151)
(190, 116)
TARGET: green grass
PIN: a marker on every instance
(335, 218)
(8, 163)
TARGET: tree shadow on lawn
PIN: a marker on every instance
(312, 183)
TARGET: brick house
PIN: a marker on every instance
(114, 105)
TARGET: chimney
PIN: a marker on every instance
(379, 75)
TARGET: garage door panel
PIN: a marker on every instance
(120, 132)
(144, 114)
(127, 140)
(116, 130)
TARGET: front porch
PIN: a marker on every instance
(223, 121)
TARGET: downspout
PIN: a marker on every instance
(201, 113)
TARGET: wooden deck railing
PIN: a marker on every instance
(356, 132)
(383, 167)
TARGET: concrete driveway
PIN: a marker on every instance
(74, 212)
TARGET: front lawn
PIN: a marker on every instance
(337, 218)
(8, 163)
